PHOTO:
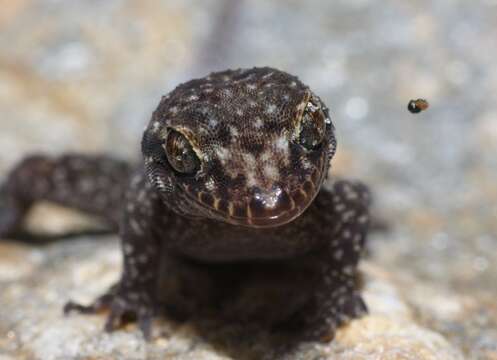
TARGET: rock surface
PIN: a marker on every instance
(37, 281)
(85, 75)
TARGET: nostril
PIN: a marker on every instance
(269, 202)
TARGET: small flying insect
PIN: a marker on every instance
(416, 106)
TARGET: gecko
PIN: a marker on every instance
(232, 173)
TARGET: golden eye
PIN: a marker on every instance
(312, 127)
(180, 154)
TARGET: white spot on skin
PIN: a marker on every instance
(212, 122)
(270, 109)
(142, 195)
(258, 123)
(250, 167)
(266, 156)
(173, 110)
(251, 179)
(155, 126)
(210, 184)
(348, 215)
(249, 159)
(228, 93)
(282, 144)
(193, 98)
(86, 185)
(127, 249)
(135, 226)
(362, 219)
(351, 195)
(293, 84)
(271, 172)
(149, 160)
(233, 132)
(135, 180)
(239, 112)
(159, 182)
(251, 87)
(338, 254)
(223, 154)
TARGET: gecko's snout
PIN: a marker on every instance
(270, 207)
(276, 206)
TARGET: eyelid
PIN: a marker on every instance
(189, 137)
(180, 155)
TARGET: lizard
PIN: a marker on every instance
(233, 170)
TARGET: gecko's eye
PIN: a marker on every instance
(312, 127)
(180, 154)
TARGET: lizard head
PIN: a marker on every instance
(247, 147)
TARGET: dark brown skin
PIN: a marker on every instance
(233, 170)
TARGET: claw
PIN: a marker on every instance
(101, 304)
(114, 321)
(119, 307)
(82, 309)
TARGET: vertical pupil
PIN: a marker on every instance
(312, 129)
(180, 153)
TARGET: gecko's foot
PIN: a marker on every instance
(318, 322)
(123, 306)
(322, 325)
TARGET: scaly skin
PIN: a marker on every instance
(232, 174)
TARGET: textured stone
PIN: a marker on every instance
(31, 321)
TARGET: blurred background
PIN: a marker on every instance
(85, 75)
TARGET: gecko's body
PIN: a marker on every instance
(232, 173)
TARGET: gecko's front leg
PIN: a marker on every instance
(336, 298)
(135, 295)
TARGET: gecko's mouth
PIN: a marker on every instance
(262, 208)
(276, 207)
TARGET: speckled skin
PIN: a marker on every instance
(256, 145)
